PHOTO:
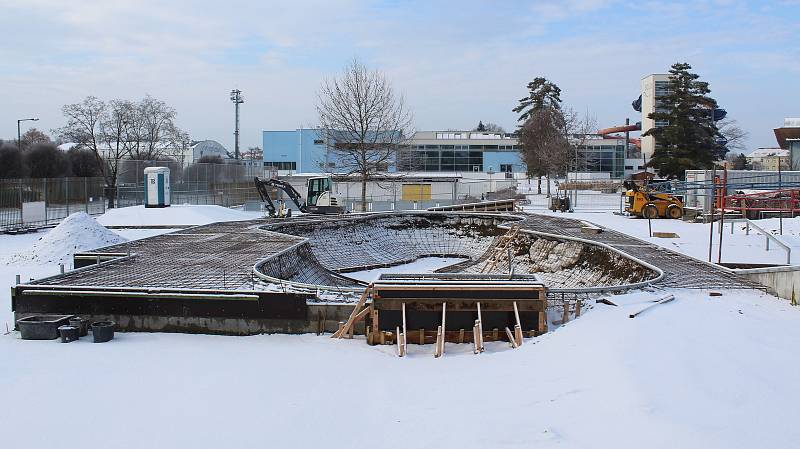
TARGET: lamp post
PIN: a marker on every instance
(19, 134)
(237, 99)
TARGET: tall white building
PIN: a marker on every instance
(654, 87)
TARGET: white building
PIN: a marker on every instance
(654, 87)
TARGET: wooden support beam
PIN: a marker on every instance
(399, 340)
(444, 326)
(359, 306)
(422, 336)
(542, 324)
(495, 334)
(476, 339)
(511, 339)
(578, 308)
(461, 335)
(565, 315)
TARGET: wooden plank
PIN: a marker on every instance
(511, 338)
(495, 334)
(422, 336)
(399, 339)
(359, 305)
(439, 338)
(518, 326)
(541, 325)
(607, 302)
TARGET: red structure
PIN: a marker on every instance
(751, 205)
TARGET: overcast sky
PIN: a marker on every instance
(456, 62)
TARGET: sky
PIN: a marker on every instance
(454, 62)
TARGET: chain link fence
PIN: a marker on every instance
(41, 202)
(31, 203)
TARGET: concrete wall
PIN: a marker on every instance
(780, 281)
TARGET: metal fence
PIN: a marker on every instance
(40, 202)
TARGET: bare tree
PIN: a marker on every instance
(152, 131)
(362, 122)
(33, 137)
(85, 126)
(735, 135)
(122, 129)
(545, 147)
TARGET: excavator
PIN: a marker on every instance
(319, 199)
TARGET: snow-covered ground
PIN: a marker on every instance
(694, 237)
(698, 372)
(175, 215)
(421, 265)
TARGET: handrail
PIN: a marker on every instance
(765, 233)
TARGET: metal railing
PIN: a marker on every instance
(764, 232)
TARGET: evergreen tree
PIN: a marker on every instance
(689, 140)
(542, 94)
(480, 127)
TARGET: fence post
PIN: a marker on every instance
(44, 193)
(66, 190)
(86, 195)
(20, 201)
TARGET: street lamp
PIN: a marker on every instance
(19, 135)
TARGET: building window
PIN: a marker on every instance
(318, 141)
(283, 165)
(506, 168)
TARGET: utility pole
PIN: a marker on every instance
(237, 99)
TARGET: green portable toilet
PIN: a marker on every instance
(156, 187)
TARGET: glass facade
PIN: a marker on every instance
(602, 158)
(446, 158)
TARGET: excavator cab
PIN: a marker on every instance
(317, 188)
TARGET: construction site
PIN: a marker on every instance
(509, 275)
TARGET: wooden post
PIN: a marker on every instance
(461, 335)
(341, 327)
(399, 341)
(565, 317)
(475, 338)
(518, 327)
(444, 327)
(422, 336)
(480, 329)
(436, 347)
(495, 334)
(405, 345)
(511, 339)
(578, 309)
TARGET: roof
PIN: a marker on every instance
(765, 152)
(786, 133)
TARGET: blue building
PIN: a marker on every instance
(304, 151)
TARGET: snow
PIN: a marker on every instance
(698, 372)
(175, 215)
(693, 237)
(421, 265)
(76, 233)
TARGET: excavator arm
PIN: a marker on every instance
(263, 191)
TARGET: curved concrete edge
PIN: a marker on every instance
(601, 289)
(314, 288)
